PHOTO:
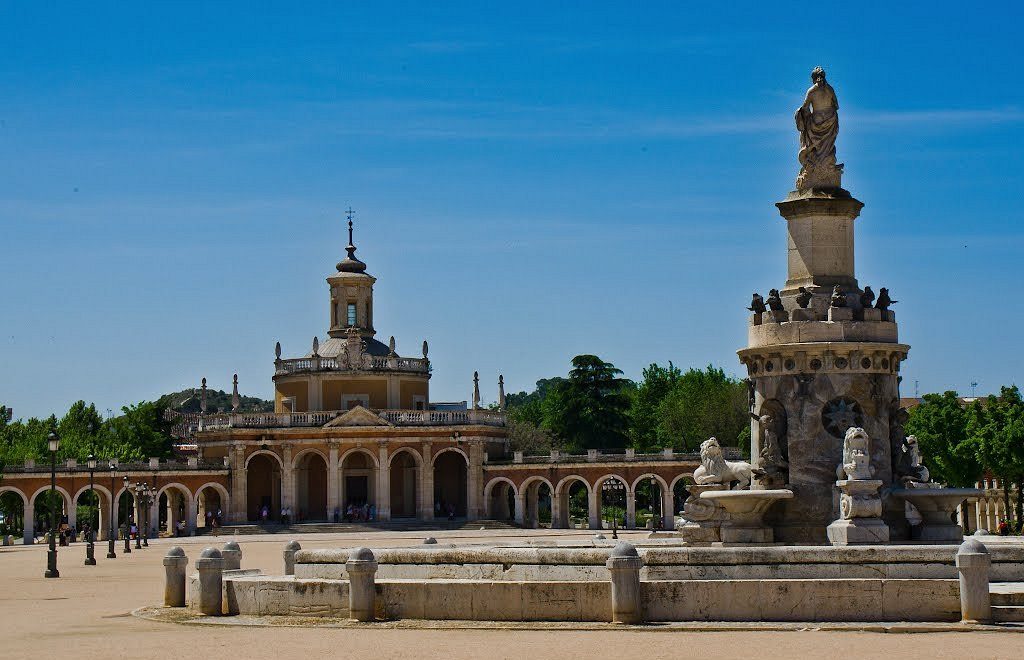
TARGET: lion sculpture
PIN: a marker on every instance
(714, 469)
(856, 455)
(909, 468)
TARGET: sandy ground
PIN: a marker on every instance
(86, 614)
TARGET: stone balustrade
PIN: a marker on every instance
(317, 364)
(319, 418)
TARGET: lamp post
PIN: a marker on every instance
(140, 512)
(51, 555)
(112, 527)
(90, 547)
(127, 519)
(147, 499)
(613, 487)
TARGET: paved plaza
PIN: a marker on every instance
(87, 613)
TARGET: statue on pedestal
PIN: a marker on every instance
(770, 459)
(856, 455)
(817, 120)
(757, 304)
(909, 469)
(775, 301)
(838, 298)
(803, 297)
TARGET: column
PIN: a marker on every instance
(474, 481)
(190, 516)
(630, 509)
(154, 516)
(668, 513)
(383, 483)
(594, 508)
(521, 509)
(236, 512)
(556, 512)
(333, 496)
(427, 484)
(29, 535)
(287, 478)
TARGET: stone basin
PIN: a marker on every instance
(937, 507)
(744, 513)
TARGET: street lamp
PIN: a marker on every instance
(90, 547)
(112, 531)
(613, 487)
(147, 499)
(51, 556)
(127, 519)
(140, 512)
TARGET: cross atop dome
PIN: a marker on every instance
(350, 264)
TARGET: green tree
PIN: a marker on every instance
(940, 424)
(702, 404)
(589, 410)
(140, 432)
(996, 426)
(645, 405)
(80, 431)
(529, 407)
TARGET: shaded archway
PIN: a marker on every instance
(679, 493)
(211, 501)
(404, 480)
(311, 487)
(651, 507)
(537, 502)
(359, 485)
(571, 502)
(613, 495)
(93, 508)
(173, 510)
(59, 503)
(263, 487)
(499, 499)
(451, 479)
(13, 506)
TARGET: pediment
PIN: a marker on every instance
(358, 416)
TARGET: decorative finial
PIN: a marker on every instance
(425, 347)
(316, 345)
(236, 402)
(350, 264)
(277, 350)
(202, 397)
(501, 392)
(391, 346)
(476, 390)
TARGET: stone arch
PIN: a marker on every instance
(69, 508)
(311, 476)
(173, 510)
(27, 519)
(201, 504)
(360, 473)
(659, 506)
(529, 502)
(560, 502)
(451, 483)
(496, 498)
(102, 508)
(263, 485)
(405, 474)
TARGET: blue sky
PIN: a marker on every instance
(531, 181)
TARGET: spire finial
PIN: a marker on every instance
(351, 264)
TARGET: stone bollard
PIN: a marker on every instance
(175, 562)
(973, 562)
(982, 532)
(289, 557)
(430, 540)
(232, 556)
(211, 581)
(624, 563)
(362, 593)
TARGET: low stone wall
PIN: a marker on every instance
(683, 600)
(587, 563)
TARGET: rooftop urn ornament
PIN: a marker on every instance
(803, 297)
(350, 264)
(757, 305)
(476, 390)
(277, 350)
(202, 397)
(884, 300)
(391, 347)
(867, 297)
(316, 346)
(425, 347)
(817, 120)
(236, 402)
(775, 301)
(501, 392)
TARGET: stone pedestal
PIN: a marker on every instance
(861, 509)
(799, 314)
(840, 314)
(743, 520)
(938, 508)
(776, 317)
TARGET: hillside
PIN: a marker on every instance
(187, 401)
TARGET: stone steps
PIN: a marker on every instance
(1007, 593)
